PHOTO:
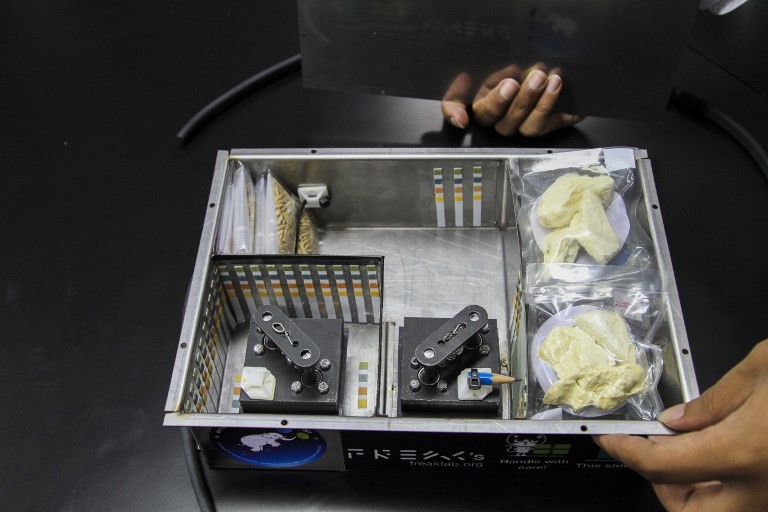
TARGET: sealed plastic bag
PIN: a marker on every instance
(591, 342)
(308, 240)
(579, 207)
(259, 225)
(243, 212)
(281, 214)
(224, 233)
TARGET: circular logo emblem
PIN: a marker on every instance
(270, 448)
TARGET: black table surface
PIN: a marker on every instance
(102, 211)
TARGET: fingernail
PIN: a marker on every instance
(455, 123)
(553, 83)
(536, 79)
(509, 88)
(672, 414)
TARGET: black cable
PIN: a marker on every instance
(691, 104)
(237, 93)
(195, 469)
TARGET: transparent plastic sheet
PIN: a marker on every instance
(269, 215)
(243, 204)
(634, 294)
(568, 241)
(260, 194)
(224, 233)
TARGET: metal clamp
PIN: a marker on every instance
(451, 336)
(271, 322)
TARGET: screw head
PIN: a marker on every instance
(415, 364)
(485, 350)
(486, 329)
(323, 387)
(415, 385)
(258, 349)
(325, 365)
(296, 387)
(442, 386)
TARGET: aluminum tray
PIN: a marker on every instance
(439, 255)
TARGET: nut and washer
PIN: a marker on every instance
(485, 350)
(323, 387)
(296, 387)
(258, 349)
(415, 364)
(415, 385)
(325, 364)
(486, 329)
(442, 386)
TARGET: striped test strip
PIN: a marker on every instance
(245, 288)
(293, 288)
(458, 196)
(357, 287)
(362, 385)
(325, 286)
(261, 288)
(437, 174)
(341, 287)
(309, 291)
(477, 195)
(236, 394)
(277, 288)
(373, 286)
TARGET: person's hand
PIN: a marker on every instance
(720, 462)
(507, 105)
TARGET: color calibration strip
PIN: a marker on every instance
(325, 286)
(458, 197)
(373, 286)
(245, 288)
(362, 385)
(437, 174)
(293, 289)
(309, 291)
(357, 288)
(277, 288)
(477, 195)
(236, 394)
(341, 287)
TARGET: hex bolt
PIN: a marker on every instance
(442, 386)
(258, 349)
(486, 329)
(415, 385)
(485, 350)
(323, 387)
(325, 365)
(296, 387)
(415, 364)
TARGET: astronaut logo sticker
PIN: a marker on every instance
(270, 448)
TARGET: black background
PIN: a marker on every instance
(102, 210)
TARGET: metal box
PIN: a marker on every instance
(409, 233)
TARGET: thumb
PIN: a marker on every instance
(713, 405)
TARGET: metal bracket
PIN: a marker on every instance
(272, 323)
(451, 336)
